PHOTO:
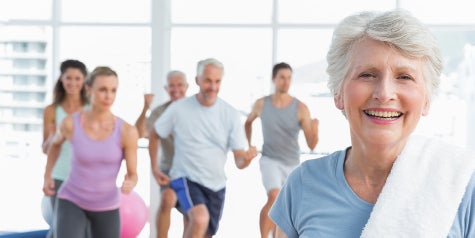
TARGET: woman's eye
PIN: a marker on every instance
(366, 75)
(405, 77)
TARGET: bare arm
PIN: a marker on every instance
(153, 146)
(61, 135)
(279, 233)
(129, 142)
(141, 120)
(243, 158)
(309, 126)
(49, 127)
(256, 111)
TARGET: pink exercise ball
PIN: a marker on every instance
(133, 215)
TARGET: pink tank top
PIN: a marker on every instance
(95, 164)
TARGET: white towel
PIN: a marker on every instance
(423, 191)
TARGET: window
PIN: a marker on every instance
(244, 52)
(25, 10)
(125, 49)
(310, 11)
(451, 110)
(221, 11)
(437, 12)
(305, 50)
(123, 11)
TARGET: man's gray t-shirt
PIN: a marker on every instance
(166, 144)
(202, 136)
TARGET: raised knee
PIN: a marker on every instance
(200, 219)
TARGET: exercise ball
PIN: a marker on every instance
(47, 209)
(133, 215)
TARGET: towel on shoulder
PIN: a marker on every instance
(423, 191)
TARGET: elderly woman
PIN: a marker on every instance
(384, 69)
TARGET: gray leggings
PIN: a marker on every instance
(57, 185)
(71, 221)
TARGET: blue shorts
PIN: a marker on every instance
(164, 187)
(191, 194)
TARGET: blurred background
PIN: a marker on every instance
(144, 39)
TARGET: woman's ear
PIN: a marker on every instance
(338, 99)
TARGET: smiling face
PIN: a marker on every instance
(73, 80)
(209, 82)
(383, 94)
(176, 87)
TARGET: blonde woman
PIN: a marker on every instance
(99, 141)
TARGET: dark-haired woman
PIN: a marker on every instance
(69, 96)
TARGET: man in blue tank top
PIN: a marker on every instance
(282, 117)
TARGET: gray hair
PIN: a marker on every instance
(399, 30)
(210, 61)
(174, 73)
